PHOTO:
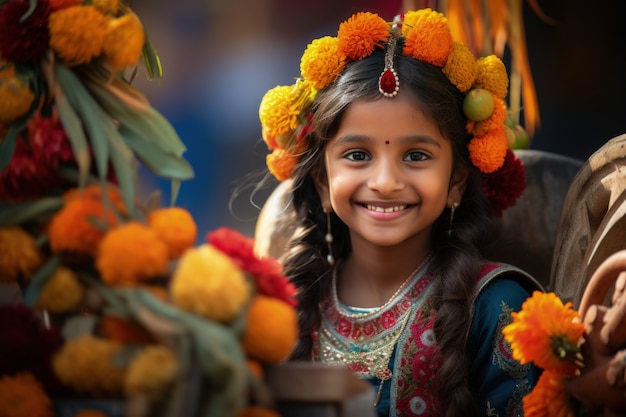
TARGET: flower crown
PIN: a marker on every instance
(285, 111)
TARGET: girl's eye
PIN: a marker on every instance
(415, 156)
(357, 156)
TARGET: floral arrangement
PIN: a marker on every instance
(285, 111)
(122, 311)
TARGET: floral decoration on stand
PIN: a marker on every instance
(123, 313)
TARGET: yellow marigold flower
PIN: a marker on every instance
(22, 396)
(62, 293)
(277, 111)
(546, 332)
(19, 255)
(492, 76)
(16, 99)
(322, 61)
(361, 33)
(124, 41)
(72, 228)
(271, 329)
(77, 33)
(428, 37)
(493, 122)
(108, 7)
(88, 364)
(143, 378)
(488, 151)
(461, 67)
(130, 254)
(175, 227)
(90, 413)
(548, 398)
(209, 283)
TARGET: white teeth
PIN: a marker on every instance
(385, 209)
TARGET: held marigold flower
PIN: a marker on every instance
(548, 398)
(130, 254)
(322, 61)
(209, 283)
(62, 293)
(271, 330)
(124, 41)
(23, 41)
(488, 151)
(546, 332)
(77, 33)
(175, 227)
(143, 378)
(428, 37)
(22, 396)
(461, 67)
(492, 76)
(361, 34)
(19, 255)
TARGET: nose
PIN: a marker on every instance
(385, 177)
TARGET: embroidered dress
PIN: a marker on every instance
(395, 349)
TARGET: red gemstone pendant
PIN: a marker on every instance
(388, 83)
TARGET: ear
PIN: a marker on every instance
(458, 182)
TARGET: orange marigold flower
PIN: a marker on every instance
(257, 411)
(255, 367)
(175, 227)
(77, 33)
(548, 398)
(277, 111)
(87, 412)
(322, 61)
(108, 7)
(22, 396)
(488, 151)
(461, 67)
(16, 99)
(209, 283)
(428, 37)
(143, 378)
(62, 293)
(94, 192)
(492, 76)
(271, 329)
(124, 331)
(124, 41)
(72, 229)
(361, 33)
(89, 365)
(546, 332)
(62, 4)
(19, 255)
(281, 163)
(130, 254)
(493, 122)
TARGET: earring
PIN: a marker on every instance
(452, 209)
(329, 238)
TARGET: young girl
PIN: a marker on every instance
(393, 186)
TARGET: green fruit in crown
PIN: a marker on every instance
(478, 104)
(522, 140)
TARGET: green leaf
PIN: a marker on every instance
(14, 214)
(7, 146)
(31, 8)
(151, 59)
(39, 280)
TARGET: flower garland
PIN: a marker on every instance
(285, 111)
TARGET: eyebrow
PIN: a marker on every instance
(413, 139)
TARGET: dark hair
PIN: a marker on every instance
(456, 257)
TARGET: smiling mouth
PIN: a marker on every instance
(386, 209)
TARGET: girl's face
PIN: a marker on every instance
(389, 172)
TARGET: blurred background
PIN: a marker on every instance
(219, 57)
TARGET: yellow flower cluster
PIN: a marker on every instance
(82, 32)
(15, 96)
(284, 110)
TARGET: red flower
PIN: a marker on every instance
(267, 272)
(24, 42)
(49, 141)
(504, 186)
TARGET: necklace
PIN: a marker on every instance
(384, 306)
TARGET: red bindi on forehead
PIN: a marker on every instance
(386, 142)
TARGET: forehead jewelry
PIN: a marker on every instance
(388, 82)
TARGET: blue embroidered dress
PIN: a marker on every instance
(394, 346)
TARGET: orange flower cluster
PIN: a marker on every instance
(547, 333)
